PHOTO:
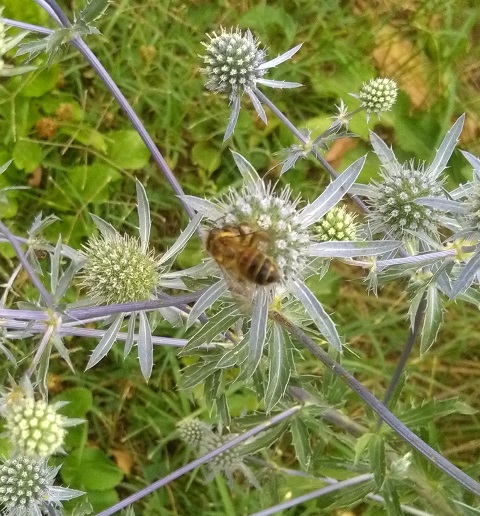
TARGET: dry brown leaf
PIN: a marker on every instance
(35, 178)
(123, 460)
(397, 57)
(338, 149)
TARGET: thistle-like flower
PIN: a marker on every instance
(203, 439)
(26, 488)
(337, 224)
(234, 63)
(192, 431)
(122, 269)
(119, 269)
(279, 237)
(395, 200)
(378, 95)
(33, 427)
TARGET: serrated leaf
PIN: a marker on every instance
(376, 452)
(235, 356)
(432, 319)
(301, 442)
(93, 10)
(145, 346)
(265, 439)
(278, 369)
(361, 445)
(429, 411)
(217, 324)
(196, 373)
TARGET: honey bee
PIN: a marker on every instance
(242, 253)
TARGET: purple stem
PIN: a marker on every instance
(398, 427)
(198, 462)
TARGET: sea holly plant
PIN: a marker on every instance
(235, 64)
(296, 249)
(123, 269)
(234, 331)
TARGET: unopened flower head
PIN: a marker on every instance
(234, 64)
(473, 207)
(393, 203)
(34, 428)
(26, 487)
(193, 431)
(378, 95)
(338, 224)
(118, 269)
(227, 462)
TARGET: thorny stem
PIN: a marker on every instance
(407, 350)
(360, 479)
(403, 431)
(92, 59)
(201, 460)
(28, 268)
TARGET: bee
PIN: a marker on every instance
(242, 253)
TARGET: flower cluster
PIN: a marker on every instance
(26, 487)
(378, 95)
(203, 439)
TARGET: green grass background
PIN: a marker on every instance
(87, 166)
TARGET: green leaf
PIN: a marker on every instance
(197, 373)
(90, 469)
(86, 136)
(278, 368)
(41, 82)
(421, 416)
(301, 442)
(392, 500)
(80, 401)
(274, 17)
(206, 156)
(93, 10)
(376, 450)
(127, 150)
(361, 445)
(90, 183)
(27, 155)
(432, 319)
(217, 324)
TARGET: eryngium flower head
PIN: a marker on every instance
(378, 95)
(283, 240)
(473, 207)
(193, 431)
(337, 224)
(234, 63)
(396, 199)
(34, 428)
(227, 462)
(393, 204)
(26, 487)
(119, 269)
